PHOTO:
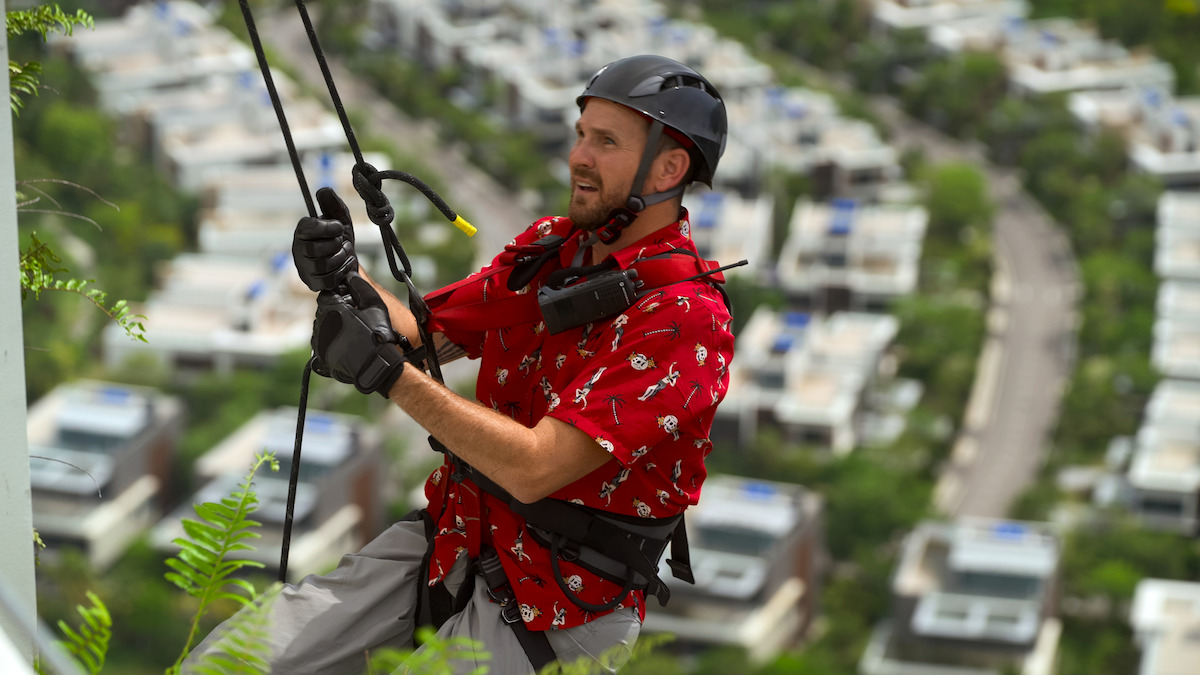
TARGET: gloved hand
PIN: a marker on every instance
(323, 248)
(354, 341)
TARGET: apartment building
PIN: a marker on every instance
(190, 91)
(154, 48)
(806, 376)
(972, 597)
(340, 501)
(1176, 345)
(100, 459)
(253, 211)
(1166, 622)
(1164, 469)
(1062, 55)
(757, 552)
(846, 255)
(1162, 131)
(218, 313)
(199, 135)
(727, 227)
(893, 15)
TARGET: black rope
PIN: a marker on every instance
(380, 212)
(333, 93)
(294, 479)
(277, 104)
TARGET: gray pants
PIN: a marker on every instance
(330, 624)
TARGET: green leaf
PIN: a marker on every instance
(89, 643)
(203, 565)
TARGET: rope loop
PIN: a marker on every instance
(368, 183)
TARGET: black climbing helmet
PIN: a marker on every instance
(671, 93)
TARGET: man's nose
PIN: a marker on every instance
(579, 157)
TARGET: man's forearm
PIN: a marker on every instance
(529, 463)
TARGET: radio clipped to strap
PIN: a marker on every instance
(594, 294)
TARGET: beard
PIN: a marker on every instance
(590, 211)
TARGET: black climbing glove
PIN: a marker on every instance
(353, 339)
(323, 247)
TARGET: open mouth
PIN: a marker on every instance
(585, 187)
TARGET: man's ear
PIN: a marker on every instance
(671, 167)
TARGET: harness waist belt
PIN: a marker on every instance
(621, 549)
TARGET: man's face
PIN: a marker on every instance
(609, 139)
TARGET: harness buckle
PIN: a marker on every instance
(510, 612)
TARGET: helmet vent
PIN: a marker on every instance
(656, 83)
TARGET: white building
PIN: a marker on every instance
(155, 47)
(847, 255)
(727, 228)
(100, 457)
(1176, 348)
(974, 597)
(807, 376)
(340, 499)
(219, 313)
(253, 211)
(1162, 131)
(908, 14)
(1167, 140)
(196, 92)
(1164, 471)
(757, 556)
(1166, 620)
(1061, 55)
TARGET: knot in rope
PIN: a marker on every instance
(368, 183)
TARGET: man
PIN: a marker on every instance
(583, 411)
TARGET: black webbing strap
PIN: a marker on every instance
(572, 528)
(435, 604)
(536, 645)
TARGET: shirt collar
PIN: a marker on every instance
(676, 235)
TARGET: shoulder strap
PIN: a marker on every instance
(474, 309)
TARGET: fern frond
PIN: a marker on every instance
(42, 19)
(45, 19)
(89, 642)
(245, 645)
(203, 568)
(38, 265)
(24, 79)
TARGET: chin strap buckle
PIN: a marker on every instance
(618, 220)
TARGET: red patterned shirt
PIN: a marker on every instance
(644, 384)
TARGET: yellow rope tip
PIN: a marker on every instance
(466, 227)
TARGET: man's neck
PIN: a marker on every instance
(651, 219)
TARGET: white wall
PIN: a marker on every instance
(16, 518)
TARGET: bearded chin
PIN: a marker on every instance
(588, 218)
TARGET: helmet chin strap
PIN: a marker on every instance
(621, 218)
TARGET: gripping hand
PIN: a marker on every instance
(353, 339)
(323, 247)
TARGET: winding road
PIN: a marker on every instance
(1029, 351)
